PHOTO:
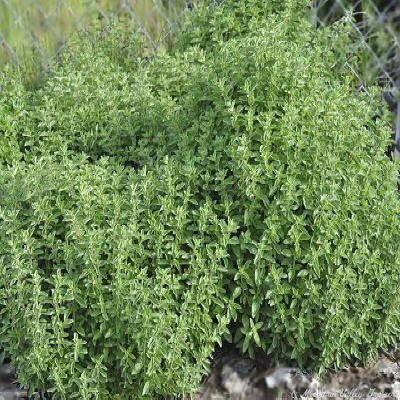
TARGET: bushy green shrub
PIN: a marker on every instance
(107, 282)
(260, 196)
(232, 19)
(298, 165)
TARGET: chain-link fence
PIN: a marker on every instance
(376, 28)
(45, 25)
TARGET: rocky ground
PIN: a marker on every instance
(234, 377)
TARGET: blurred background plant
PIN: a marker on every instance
(43, 26)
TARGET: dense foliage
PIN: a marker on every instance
(235, 188)
(110, 278)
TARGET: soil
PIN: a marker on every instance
(236, 377)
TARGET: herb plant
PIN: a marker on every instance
(235, 189)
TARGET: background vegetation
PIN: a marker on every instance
(47, 24)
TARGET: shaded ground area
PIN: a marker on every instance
(235, 377)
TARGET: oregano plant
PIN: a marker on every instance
(234, 188)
